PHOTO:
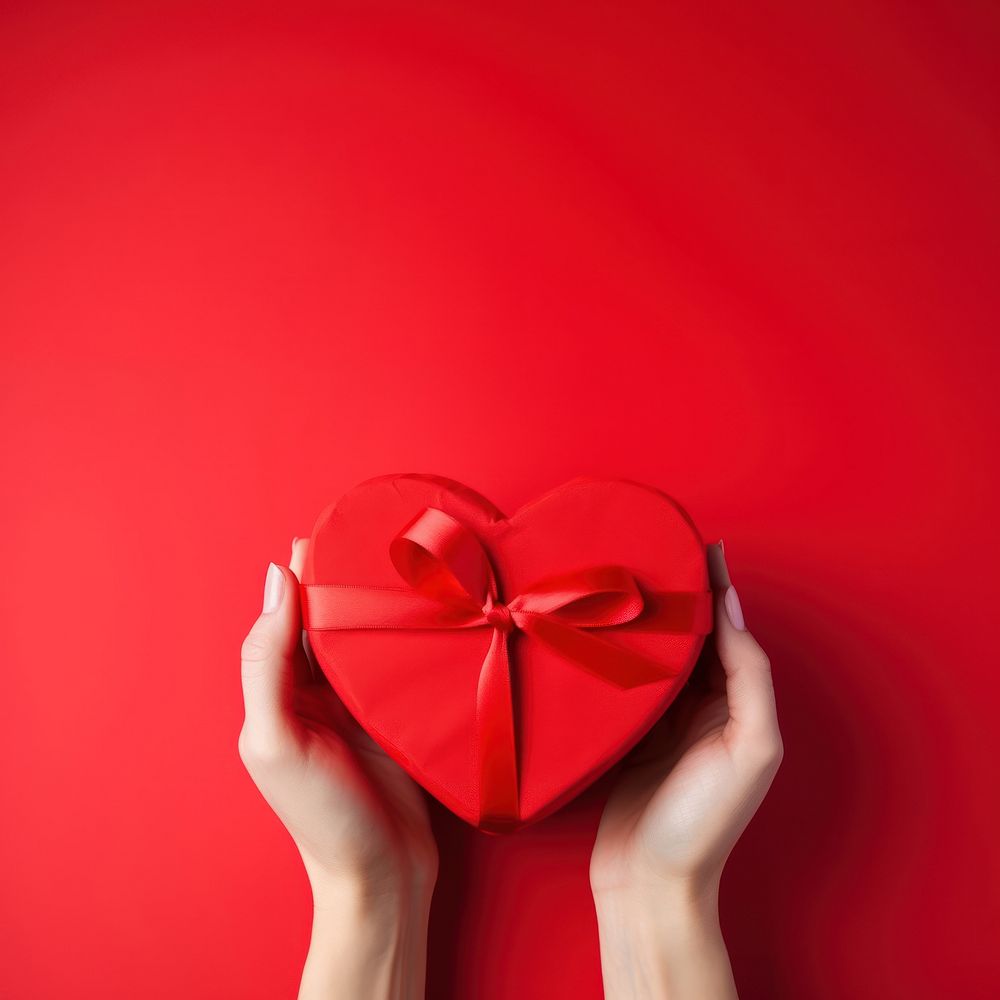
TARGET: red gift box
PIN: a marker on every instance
(505, 662)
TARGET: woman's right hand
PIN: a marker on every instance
(358, 820)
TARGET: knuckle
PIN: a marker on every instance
(243, 745)
(259, 751)
(767, 752)
(257, 647)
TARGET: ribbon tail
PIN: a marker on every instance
(498, 781)
(625, 668)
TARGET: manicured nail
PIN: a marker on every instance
(274, 584)
(722, 546)
(733, 609)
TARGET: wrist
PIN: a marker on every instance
(368, 940)
(662, 941)
(658, 915)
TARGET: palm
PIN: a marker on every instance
(350, 808)
(669, 790)
(372, 814)
(689, 790)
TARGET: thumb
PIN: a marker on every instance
(749, 688)
(267, 661)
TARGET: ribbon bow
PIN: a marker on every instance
(451, 585)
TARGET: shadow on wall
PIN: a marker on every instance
(810, 891)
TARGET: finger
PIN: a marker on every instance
(310, 668)
(749, 688)
(666, 733)
(318, 691)
(297, 562)
(707, 677)
(268, 660)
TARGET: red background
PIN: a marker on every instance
(250, 258)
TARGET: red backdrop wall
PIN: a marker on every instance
(253, 256)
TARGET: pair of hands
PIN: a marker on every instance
(680, 803)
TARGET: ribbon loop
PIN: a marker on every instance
(441, 559)
(451, 584)
(588, 598)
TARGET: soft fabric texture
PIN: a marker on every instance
(505, 663)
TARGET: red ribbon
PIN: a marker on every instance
(451, 585)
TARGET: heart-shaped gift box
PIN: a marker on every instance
(505, 662)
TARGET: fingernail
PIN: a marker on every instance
(722, 546)
(733, 609)
(274, 583)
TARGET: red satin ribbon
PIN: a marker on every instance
(451, 585)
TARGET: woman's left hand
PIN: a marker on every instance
(680, 804)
